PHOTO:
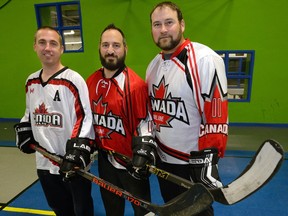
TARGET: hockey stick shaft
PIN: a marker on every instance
(257, 173)
(192, 201)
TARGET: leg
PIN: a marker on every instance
(170, 190)
(114, 205)
(81, 192)
(139, 188)
(57, 194)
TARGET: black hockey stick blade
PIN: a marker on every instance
(191, 202)
(263, 166)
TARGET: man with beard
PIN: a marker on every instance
(187, 86)
(122, 122)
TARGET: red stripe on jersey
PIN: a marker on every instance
(128, 102)
(32, 81)
(215, 131)
(177, 63)
(172, 152)
(77, 105)
(195, 75)
(179, 49)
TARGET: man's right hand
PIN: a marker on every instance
(24, 137)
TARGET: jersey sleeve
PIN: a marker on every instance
(83, 126)
(25, 118)
(145, 126)
(142, 111)
(214, 125)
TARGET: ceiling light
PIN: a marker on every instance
(69, 32)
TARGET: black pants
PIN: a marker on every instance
(114, 204)
(170, 190)
(70, 198)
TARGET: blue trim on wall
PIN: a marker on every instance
(274, 125)
(10, 119)
(7, 144)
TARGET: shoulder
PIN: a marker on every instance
(203, 51)
(34, 76)
(70, 74)
(136, 82)
(157, 58)
(134, 77)
(95, 75)
(155, 62)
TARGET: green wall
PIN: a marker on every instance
(259, 25)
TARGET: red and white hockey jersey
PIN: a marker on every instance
(188, 94)
(120, 107)
(58, 110)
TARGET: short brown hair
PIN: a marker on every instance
(172, 6)
(52, 29)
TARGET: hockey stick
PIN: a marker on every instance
(191, 202)
(263, 166)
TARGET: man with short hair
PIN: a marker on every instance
(58, 118)
(188, 90)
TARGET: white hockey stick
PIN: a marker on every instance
(263, 166)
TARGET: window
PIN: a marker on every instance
(65, 17)
(239, 69)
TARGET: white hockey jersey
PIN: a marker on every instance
(188, 94)
(58, 110)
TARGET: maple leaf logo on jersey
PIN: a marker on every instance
(105, 122)
(43, 118)
(166, 107)
(42, 109)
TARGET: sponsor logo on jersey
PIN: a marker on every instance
(109, 121)
(106, 122)
(43, 118)
(104, 84)
(166, 107)
(213, 129)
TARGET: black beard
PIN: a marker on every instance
(120, 62)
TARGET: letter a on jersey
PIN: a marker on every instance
(56, 96)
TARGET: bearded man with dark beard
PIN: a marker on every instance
(188, 79)
(122, 122)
